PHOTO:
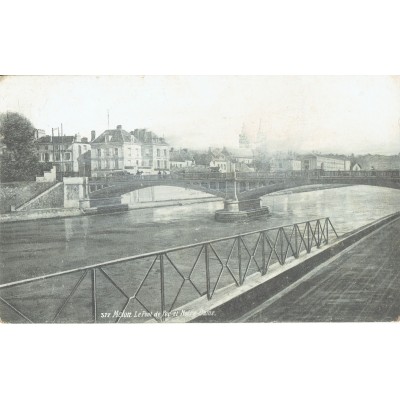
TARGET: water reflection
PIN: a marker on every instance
(348, 207)
(161, 193)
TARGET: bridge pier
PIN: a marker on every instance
(237, 210)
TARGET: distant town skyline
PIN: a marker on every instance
(331, 114)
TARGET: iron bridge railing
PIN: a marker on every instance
(152, 285)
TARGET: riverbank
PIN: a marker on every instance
(307, 188)
(76, 212)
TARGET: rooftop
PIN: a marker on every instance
(117, 135)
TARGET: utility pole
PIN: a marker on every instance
(62, 153)
(52, 142)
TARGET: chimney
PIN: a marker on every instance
(92, 135)
(119, 127)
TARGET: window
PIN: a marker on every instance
(98, 152)
(165, 153)
(158, 163)
(116, 151)
(46, 157)
(107, 152)
(79, 150)
(130, 152)
(67, 156)
(84, 148)
(46, 147)
(158, 152)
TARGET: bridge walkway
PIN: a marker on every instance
(360, 284)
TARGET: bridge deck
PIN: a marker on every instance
(360, 284)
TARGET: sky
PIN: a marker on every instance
(338, 114)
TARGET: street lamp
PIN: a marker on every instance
(234, 181)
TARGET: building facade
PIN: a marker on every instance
(317, 162)
(180, 159)
(154, 151)
(242, 155)
(115, 150)
(285, 164)
(67, 153)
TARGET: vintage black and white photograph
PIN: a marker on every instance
(208, 199)
(199, 200)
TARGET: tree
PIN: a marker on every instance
(19, 162)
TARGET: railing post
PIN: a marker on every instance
(318, 236)
(240, 260)
(162, 278)
(207, 259)
(94, 296)
(264, 268)
(327, 229)
(308, 237)
(296, 240)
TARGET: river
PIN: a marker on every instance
(35, 248)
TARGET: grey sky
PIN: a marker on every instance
(344, 114)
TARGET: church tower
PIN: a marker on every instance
(243, 140)
(261, 139)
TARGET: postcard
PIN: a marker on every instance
(199, 199)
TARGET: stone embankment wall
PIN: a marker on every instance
(51, 198)
(18, 193)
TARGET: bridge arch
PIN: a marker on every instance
(389, 182)
(116, 190)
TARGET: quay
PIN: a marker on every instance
(359, 284)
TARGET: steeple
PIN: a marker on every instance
(243, 139)
(261, 138)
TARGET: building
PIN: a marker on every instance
(154, 151)
(218, 160)
(378, 162)
(318, 162)
(356, 167)
(115, 150)
(180, 159)
(242, 155)
(66, 153)
(285, 164)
